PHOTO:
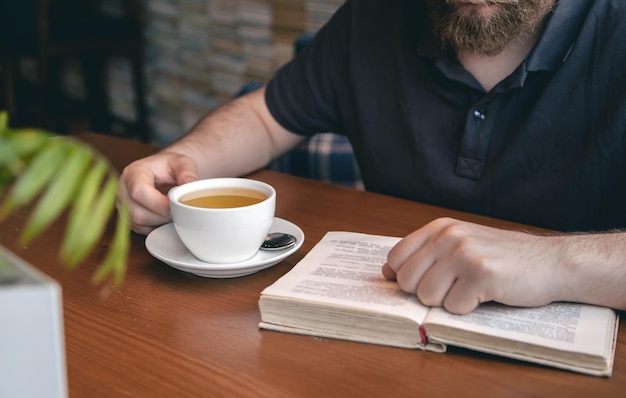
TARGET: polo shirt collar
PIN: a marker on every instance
(559, 35)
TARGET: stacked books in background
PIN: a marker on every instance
(200, 53)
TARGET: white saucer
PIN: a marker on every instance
(164, 244)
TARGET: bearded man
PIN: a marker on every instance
(514, 109)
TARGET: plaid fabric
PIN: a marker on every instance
(326, 157)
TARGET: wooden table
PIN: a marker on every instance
(166, 333)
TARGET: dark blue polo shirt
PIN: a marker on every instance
(544, 147)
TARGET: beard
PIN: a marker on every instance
(489, 33)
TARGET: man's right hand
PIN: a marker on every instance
(144, 185)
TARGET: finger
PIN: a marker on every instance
(413, 269)
(388, 272)
(184, 169)
(405, 248)
(143, 221)
(142, 230)
(143, 194)
(148, 207)
(463, 297)
(435, 283)
(413, 242)
(427, 248)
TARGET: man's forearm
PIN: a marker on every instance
(235, 139)
(595, 266)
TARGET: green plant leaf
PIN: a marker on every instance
(100, 213)
(26, 142)
(10, 163)
(8, 158)
(79, 223)
(17, 144)
(32, 180)
(65, 174)
(4, 122)
(114, 264)
(59, 192)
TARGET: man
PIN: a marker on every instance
(514, 109)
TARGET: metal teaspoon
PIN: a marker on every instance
(278, 241)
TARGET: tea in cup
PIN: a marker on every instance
(223, 220)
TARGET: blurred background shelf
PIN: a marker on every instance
(196, 54)
(42, 42)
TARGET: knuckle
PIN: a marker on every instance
(463, 249)
(454, 231)
(481, 268)
(135, 191)
(452, 235)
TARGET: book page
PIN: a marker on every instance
(563, 326)
(344, 268)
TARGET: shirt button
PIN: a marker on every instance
(479, 115)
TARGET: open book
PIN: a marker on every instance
(337, 291)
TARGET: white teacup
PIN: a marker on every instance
(223, 234)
